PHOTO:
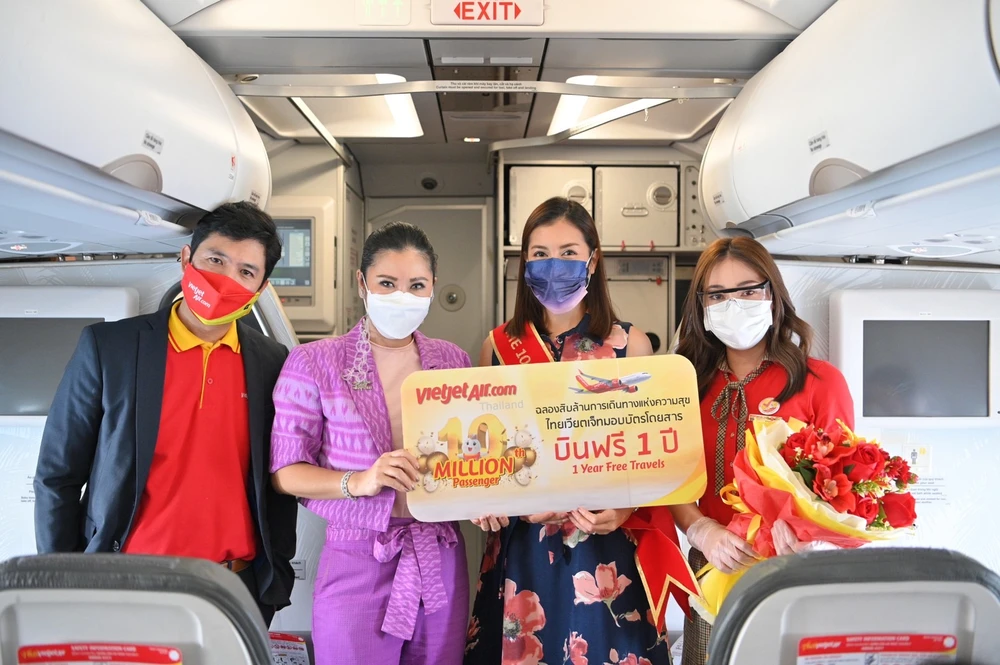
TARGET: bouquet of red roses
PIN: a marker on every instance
(828, 487)
(853, 476)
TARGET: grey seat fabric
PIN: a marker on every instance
(782, 601)
(197, 606)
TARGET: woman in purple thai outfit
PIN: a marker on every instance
(389, 589)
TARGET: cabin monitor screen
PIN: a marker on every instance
(295, 267)
(926, 369)
(33, 356)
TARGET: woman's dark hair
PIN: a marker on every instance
(396, 237)
(597, 302)
(704, 349)
(241, 221)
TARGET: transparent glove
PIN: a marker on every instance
(723, 548)
(785, 541)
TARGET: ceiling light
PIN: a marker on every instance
(471, 139)
(570, 106)
(402, 109)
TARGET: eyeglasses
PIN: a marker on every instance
(753, 292)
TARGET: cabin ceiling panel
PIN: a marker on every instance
(305, 55)
(409, 153)
(485, 115)
(653, 19)
(487, 52)
(681, 58)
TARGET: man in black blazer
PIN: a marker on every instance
(165, 420)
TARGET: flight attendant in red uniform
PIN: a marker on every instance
(751, 354)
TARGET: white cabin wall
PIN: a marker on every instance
(953, 507)
(306, 170)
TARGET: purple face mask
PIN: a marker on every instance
(559, 284)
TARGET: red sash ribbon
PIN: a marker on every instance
(524, 350)
(658, 556)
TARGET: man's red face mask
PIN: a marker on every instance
(216, 299)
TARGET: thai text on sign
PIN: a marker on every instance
(517, 440)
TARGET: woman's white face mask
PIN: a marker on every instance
(739, 324)
(396, 315)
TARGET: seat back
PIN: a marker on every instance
(160, 609)
(922, 603)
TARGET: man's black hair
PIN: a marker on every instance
(241, 221)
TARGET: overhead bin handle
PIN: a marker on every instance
(634, 211)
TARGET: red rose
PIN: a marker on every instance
(865, 463)
(835, 489)
(897, 469)
(793, 449)
(866, 508)
(797, 440)
(900, 509)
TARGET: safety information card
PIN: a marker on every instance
(98, 654)
(878, 649)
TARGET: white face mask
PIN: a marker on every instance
(396, 315)
(739, 326)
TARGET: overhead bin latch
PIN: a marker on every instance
(635, 211)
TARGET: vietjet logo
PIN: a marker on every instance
(503, 10)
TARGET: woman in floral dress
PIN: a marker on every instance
(560, 588)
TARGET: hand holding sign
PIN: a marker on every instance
(601, 523)
(554, 441)
(397, 470)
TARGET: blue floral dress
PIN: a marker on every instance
(551, 594)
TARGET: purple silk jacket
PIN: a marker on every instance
(321, 420)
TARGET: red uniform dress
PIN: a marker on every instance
(822, 401)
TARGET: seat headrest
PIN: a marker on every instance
(116, 572)
(885, 567)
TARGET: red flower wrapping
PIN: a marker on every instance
(773, 505)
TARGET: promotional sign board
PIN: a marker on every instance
(524, 439)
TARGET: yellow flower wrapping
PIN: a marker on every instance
(762, 449)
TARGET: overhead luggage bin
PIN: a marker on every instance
(108, 112)
(866, 87)
(163, 609)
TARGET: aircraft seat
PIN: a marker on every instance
(861, 606)
(158, 609)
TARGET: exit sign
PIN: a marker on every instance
(492, 12)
